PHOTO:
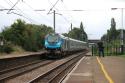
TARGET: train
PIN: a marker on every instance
(59, 45)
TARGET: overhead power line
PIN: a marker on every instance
(36, 10)
(53, 6)
(13, 6)
(5, 9)
(22, 15)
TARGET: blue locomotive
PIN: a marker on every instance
(56, 43)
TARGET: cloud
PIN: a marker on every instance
(96, 17)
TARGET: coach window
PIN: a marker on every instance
(65, 43)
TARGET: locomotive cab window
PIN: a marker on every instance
(53, 38)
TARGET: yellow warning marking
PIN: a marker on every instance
(104, 71)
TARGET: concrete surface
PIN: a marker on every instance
(88, 70)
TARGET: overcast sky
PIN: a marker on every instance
(96, 15)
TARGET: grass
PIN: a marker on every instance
(17, 50)
(122, 55)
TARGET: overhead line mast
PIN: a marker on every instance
(53, 14)
(54, 20)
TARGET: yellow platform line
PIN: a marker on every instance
(104, 71)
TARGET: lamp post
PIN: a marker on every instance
(122, 33)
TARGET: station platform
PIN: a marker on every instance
(16, 55)
(93, 69)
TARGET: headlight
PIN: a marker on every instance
(46, 43)
(59, 43)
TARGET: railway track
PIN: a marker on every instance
(53, 72)
(18, 70)
(55, 75)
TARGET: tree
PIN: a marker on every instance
(77, 33)
(83, 33)
(29, 36)
(112, 33)
(65, 34)
(14, 33)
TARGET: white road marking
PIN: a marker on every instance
(66, 79)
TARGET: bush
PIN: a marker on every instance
(1, 49)
(7, 48)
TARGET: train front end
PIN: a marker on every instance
(53, 42)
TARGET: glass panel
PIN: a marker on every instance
(53, 38)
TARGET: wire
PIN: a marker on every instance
(53, 6)
(23, 16)
(13, 6)
(5, 9)
(58, 11)
(67, 10)
(35, 10)
(28, 18)
(65, 18)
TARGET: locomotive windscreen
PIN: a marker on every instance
(53, 38)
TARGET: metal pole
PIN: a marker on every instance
(54, 20)
(71, 26)
(121, 33)
(122, 41)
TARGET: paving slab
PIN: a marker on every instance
(89, 70)
(115, 67)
